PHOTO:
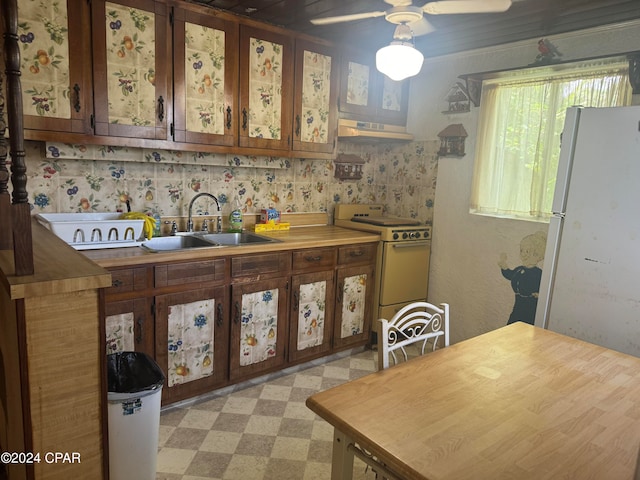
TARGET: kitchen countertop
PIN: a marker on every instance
(295, 238)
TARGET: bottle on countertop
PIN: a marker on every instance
(235, 217)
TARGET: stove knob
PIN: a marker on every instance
(405, 236)
(395, 235)
(417, 234)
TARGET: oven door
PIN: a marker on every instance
(404, 273)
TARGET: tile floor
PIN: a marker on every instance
(260, 430)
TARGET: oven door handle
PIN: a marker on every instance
(410, 244)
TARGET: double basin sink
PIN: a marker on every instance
(188, 241)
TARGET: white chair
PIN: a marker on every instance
(414, 323)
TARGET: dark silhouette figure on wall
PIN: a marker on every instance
(525, 279)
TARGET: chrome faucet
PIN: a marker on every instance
(190, 219)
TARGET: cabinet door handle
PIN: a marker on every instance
(244, 119)
(219, 314)
(161, 108)
(298, 126)
(236, 316)
(140, 336)
(228, 118)
(295, 300)
(340, 291)
(76, 103)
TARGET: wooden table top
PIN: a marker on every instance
(515, 403)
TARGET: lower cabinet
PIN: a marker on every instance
(214, 322)
(129, 326)
(258, 327)
(192, 331)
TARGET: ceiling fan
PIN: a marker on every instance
(404, 13)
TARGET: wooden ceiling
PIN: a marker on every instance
(526, 19)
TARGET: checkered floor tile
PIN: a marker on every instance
(260, 430)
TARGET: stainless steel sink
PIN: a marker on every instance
(181, 242)
(185, 241)
(229, 239)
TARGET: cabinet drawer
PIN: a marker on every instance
(314, 258)
(190, 272)
(127, 280)
(261, 265)
(354, 254)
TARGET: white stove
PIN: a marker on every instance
(370, 218)
(402, 266)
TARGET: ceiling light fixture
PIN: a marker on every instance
(400, 59)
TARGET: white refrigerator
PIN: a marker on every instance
(590, 287)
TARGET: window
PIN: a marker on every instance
(518, 141)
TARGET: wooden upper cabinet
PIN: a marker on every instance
(131, 52)
(368, 95)
(54, 39)
(315, 98)
(266, 89)
(205, 78)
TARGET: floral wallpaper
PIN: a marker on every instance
(130, 65)
(353, 303)
(259, 327)
(265, 89)
(204, 58)
(86, 178)
(311, 310)
(44, 55)
(315, 98)
(190, 341)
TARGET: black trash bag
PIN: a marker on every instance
(131, 372)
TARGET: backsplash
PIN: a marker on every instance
(65, 178)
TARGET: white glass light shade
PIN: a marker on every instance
(399, 60)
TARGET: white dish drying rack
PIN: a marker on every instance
(87, 231)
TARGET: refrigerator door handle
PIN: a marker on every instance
(554, 236)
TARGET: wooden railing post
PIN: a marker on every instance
(20, 210)
(6, 238)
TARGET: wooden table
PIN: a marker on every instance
(516, 403)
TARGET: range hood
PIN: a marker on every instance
(357, 131)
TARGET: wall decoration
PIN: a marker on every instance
(452, 141)
(348, 167)
(548, 53)
(525, 279)
(458, 99)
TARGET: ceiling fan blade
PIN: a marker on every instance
(466, 6)
(421, 27)
(346, 18)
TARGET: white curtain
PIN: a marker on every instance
(519, 129)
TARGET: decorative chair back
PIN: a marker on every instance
(418, 323)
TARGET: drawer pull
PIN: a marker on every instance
(313, 259)
(359, 253)
(117, 283)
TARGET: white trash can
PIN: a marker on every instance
(134, 393)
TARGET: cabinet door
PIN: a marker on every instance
(54, 39)
(311, 315)
(266, 89)
(131, 57)
(393, 100)
(353, 306)
(315, 98)
(205, 78)
(129, 326)
(259, 327)
(357, 85)
(192, 332)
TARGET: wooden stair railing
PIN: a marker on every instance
(15, 219)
